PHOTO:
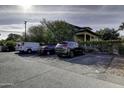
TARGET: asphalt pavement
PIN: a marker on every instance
(33, 71)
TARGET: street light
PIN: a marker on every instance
(25, 22)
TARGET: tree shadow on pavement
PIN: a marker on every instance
(34, 55)
(102, 60)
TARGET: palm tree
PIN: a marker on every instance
(121, 27)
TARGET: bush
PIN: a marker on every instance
(2, 42)
(11, 45)
(105, 46)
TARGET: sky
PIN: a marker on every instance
(97, 17)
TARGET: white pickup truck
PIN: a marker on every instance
(28, 47)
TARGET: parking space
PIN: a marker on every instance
(89, 63)
(28, 70)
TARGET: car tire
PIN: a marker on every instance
(71, 54)
(59, 55)
(29, 51)
(48, 52)
(82, 52)
(21, 52)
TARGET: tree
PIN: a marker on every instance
(36, 34)
(14, 37)
(108, 34)
(50, 32)
(10, 44)
(2, 42)
(121, 27)
(58, 30)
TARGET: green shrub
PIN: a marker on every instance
(106, 46)
(2, 42)
(11, 45)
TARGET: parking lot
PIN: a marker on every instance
(31, 70)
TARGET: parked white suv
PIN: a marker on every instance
(28, 47)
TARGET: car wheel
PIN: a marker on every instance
(82, 52)
(71, 54)
(59, 55)
(29, 51)
(48, 53)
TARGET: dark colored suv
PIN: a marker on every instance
(47, 49)
(68, 48)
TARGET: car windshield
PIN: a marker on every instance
(48, 46)
(63, 43)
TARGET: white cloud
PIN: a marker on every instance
(12, 17)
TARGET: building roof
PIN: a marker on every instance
(78, 29)
(86, 30)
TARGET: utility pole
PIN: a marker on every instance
(25, 22)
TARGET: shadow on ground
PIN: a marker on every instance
(34, 55)
(97, 59)
(27, 55)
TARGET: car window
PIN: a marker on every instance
(51, 46)
(58, 45)
(63, 43)
(22, 43)
(18, 45)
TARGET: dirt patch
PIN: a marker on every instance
(117, 66)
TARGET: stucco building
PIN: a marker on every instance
(85, 34)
